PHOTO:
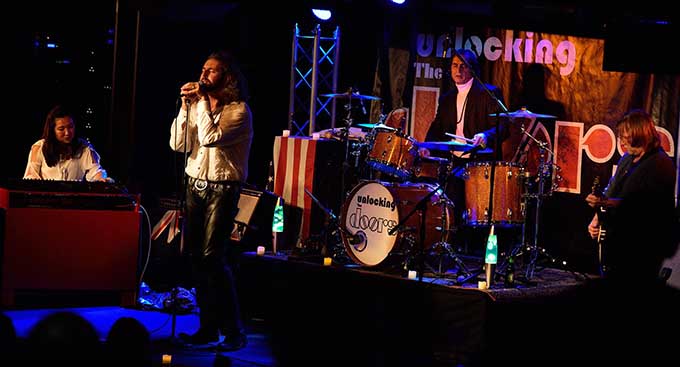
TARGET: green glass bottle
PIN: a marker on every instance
(510, 273)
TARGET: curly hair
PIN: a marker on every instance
(236, 88)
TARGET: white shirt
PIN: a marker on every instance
(75, 169)
(218, 142)
(461, 103)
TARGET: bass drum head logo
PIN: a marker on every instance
(370, 213)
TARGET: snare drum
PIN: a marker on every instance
(507, 194)
(373, 208)
(392, 152)
(431, 169)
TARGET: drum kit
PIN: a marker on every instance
(395, 221)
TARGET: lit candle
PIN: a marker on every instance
(316, 136)
(260, 250)
(481, 284)
(327, 261)
(167, 359)
(285, 133)
(411, 274)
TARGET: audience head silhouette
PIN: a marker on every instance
(63, 338)
(8, 336)
(128, 343)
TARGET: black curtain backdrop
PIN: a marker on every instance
(174, 38)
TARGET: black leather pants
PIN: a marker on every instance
(211, 208)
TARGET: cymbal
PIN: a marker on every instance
(376, 126)
(452, 146)
(524, 113)
(351, 95)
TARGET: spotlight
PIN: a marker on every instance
(322, 14)
(398, 1)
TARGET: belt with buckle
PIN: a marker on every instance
(200, 185)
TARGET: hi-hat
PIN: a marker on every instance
(524, 113)
(351, 95)
(449, 146)
(376, 126)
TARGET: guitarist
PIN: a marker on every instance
(639, 200)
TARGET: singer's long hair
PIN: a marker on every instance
(236, 88)
(52, 149)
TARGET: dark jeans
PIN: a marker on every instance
(211, 209)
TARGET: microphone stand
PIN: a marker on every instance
(180, 218)
(497, 139)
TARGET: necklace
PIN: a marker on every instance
(462, 110)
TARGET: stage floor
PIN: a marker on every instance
(352, 315)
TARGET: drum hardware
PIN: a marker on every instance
(456, 146)
(420, 252)
(417, 250)
(379, 125)
(333, 243)
(524, 113)
(547, 181)
(445, 249)
(544, 174)
(350, 95)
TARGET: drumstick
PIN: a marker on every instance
(459, 137)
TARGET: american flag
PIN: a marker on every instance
(294, 159)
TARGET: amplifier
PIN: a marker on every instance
(254, 218)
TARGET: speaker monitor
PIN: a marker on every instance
(254, 218)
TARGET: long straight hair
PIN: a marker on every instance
(52, 149)
(640, 125)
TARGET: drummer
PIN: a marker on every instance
(466, 112)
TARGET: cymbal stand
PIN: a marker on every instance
(445, 248)
(336, 250)
(422, 207)
(345, 164)
(545, 188)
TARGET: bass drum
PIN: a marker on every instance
(373, 208)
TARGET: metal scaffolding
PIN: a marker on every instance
(314, 71)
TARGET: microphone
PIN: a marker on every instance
(201, 87)
(446, 44)
(357, 238)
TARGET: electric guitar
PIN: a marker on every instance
(601, 213)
